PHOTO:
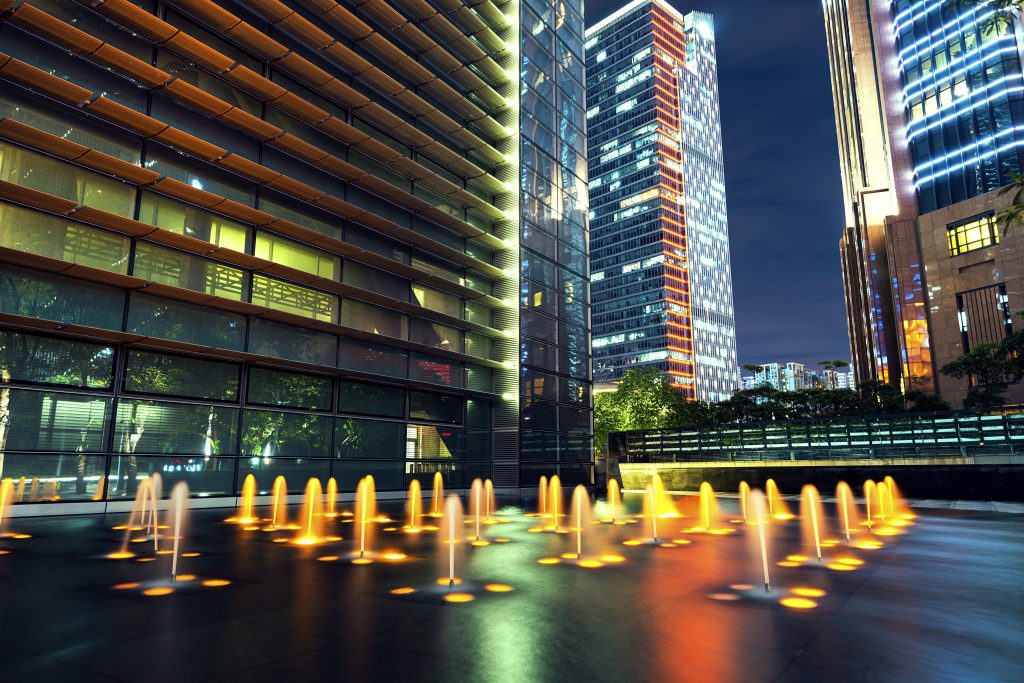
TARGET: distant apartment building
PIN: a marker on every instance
(782, 376)
(662, 279)
(929, 104)
(833, 379)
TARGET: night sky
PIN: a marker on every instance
(782, 176)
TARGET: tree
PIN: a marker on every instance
(1002, 19)
(644, 399)
(986, 367)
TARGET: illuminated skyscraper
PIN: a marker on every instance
(292, 237)
(929, 101)
(662, 279)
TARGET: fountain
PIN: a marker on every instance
(312, 514)
(744, 498)
(6, 500)
(33, 490)
(708, 507)
(179, 509)
(554, 502)
(777, 507)
(476, 509)
(846, 507)
(757, 501)
(414, 508)
(136, 519)
(332, 498)
(437, 504)
(614, 499)
(898, 508)
(664, 505)
(451, 534)
(650, 515)
(869, 494)
(279, 504)
(884, 500)
(812, 516)
(490, 502)
(246, 516)
(542, 497)
(366, 512)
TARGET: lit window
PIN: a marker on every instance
(976, 233)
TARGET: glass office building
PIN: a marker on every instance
(963, 92)
(662, 275)
(283, 238)
(554, 296)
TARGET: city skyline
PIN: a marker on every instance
(789, 179)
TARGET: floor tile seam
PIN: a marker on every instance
(810, 641)
(261, 665)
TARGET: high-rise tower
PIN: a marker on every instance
(660, 251)
(929, 102)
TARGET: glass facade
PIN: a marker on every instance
(321, 254)
(662, 280)
(554, 293)
(963, 90)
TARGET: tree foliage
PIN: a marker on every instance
(646, 399)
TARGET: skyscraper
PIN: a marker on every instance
(291, 238)
(929, 101)
(662, 279)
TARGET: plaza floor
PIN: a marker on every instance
(943, 602)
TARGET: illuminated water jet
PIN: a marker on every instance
(869, 494)
(332, 498)
(777, 507)
(845, 505)
(279, 503)
(554, 502)
(366, 512)
(812, 516)
(614, 498)
(490, 502)
(761, 517)
(414, 508)
(312, 514)
(138, 520)
(179, 509)
(451, 534)
(476, 504)
(744, 496)
(437, 503)
(6, 500)
(542, 496)
(246, 516)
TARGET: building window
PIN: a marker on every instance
(984, 315)
(975, 233)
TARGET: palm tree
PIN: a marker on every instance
(1002, 19)
(1014, 212)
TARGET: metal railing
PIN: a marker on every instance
(903, 436)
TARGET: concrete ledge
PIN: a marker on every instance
(960, 479)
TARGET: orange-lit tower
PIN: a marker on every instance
(662, 281)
